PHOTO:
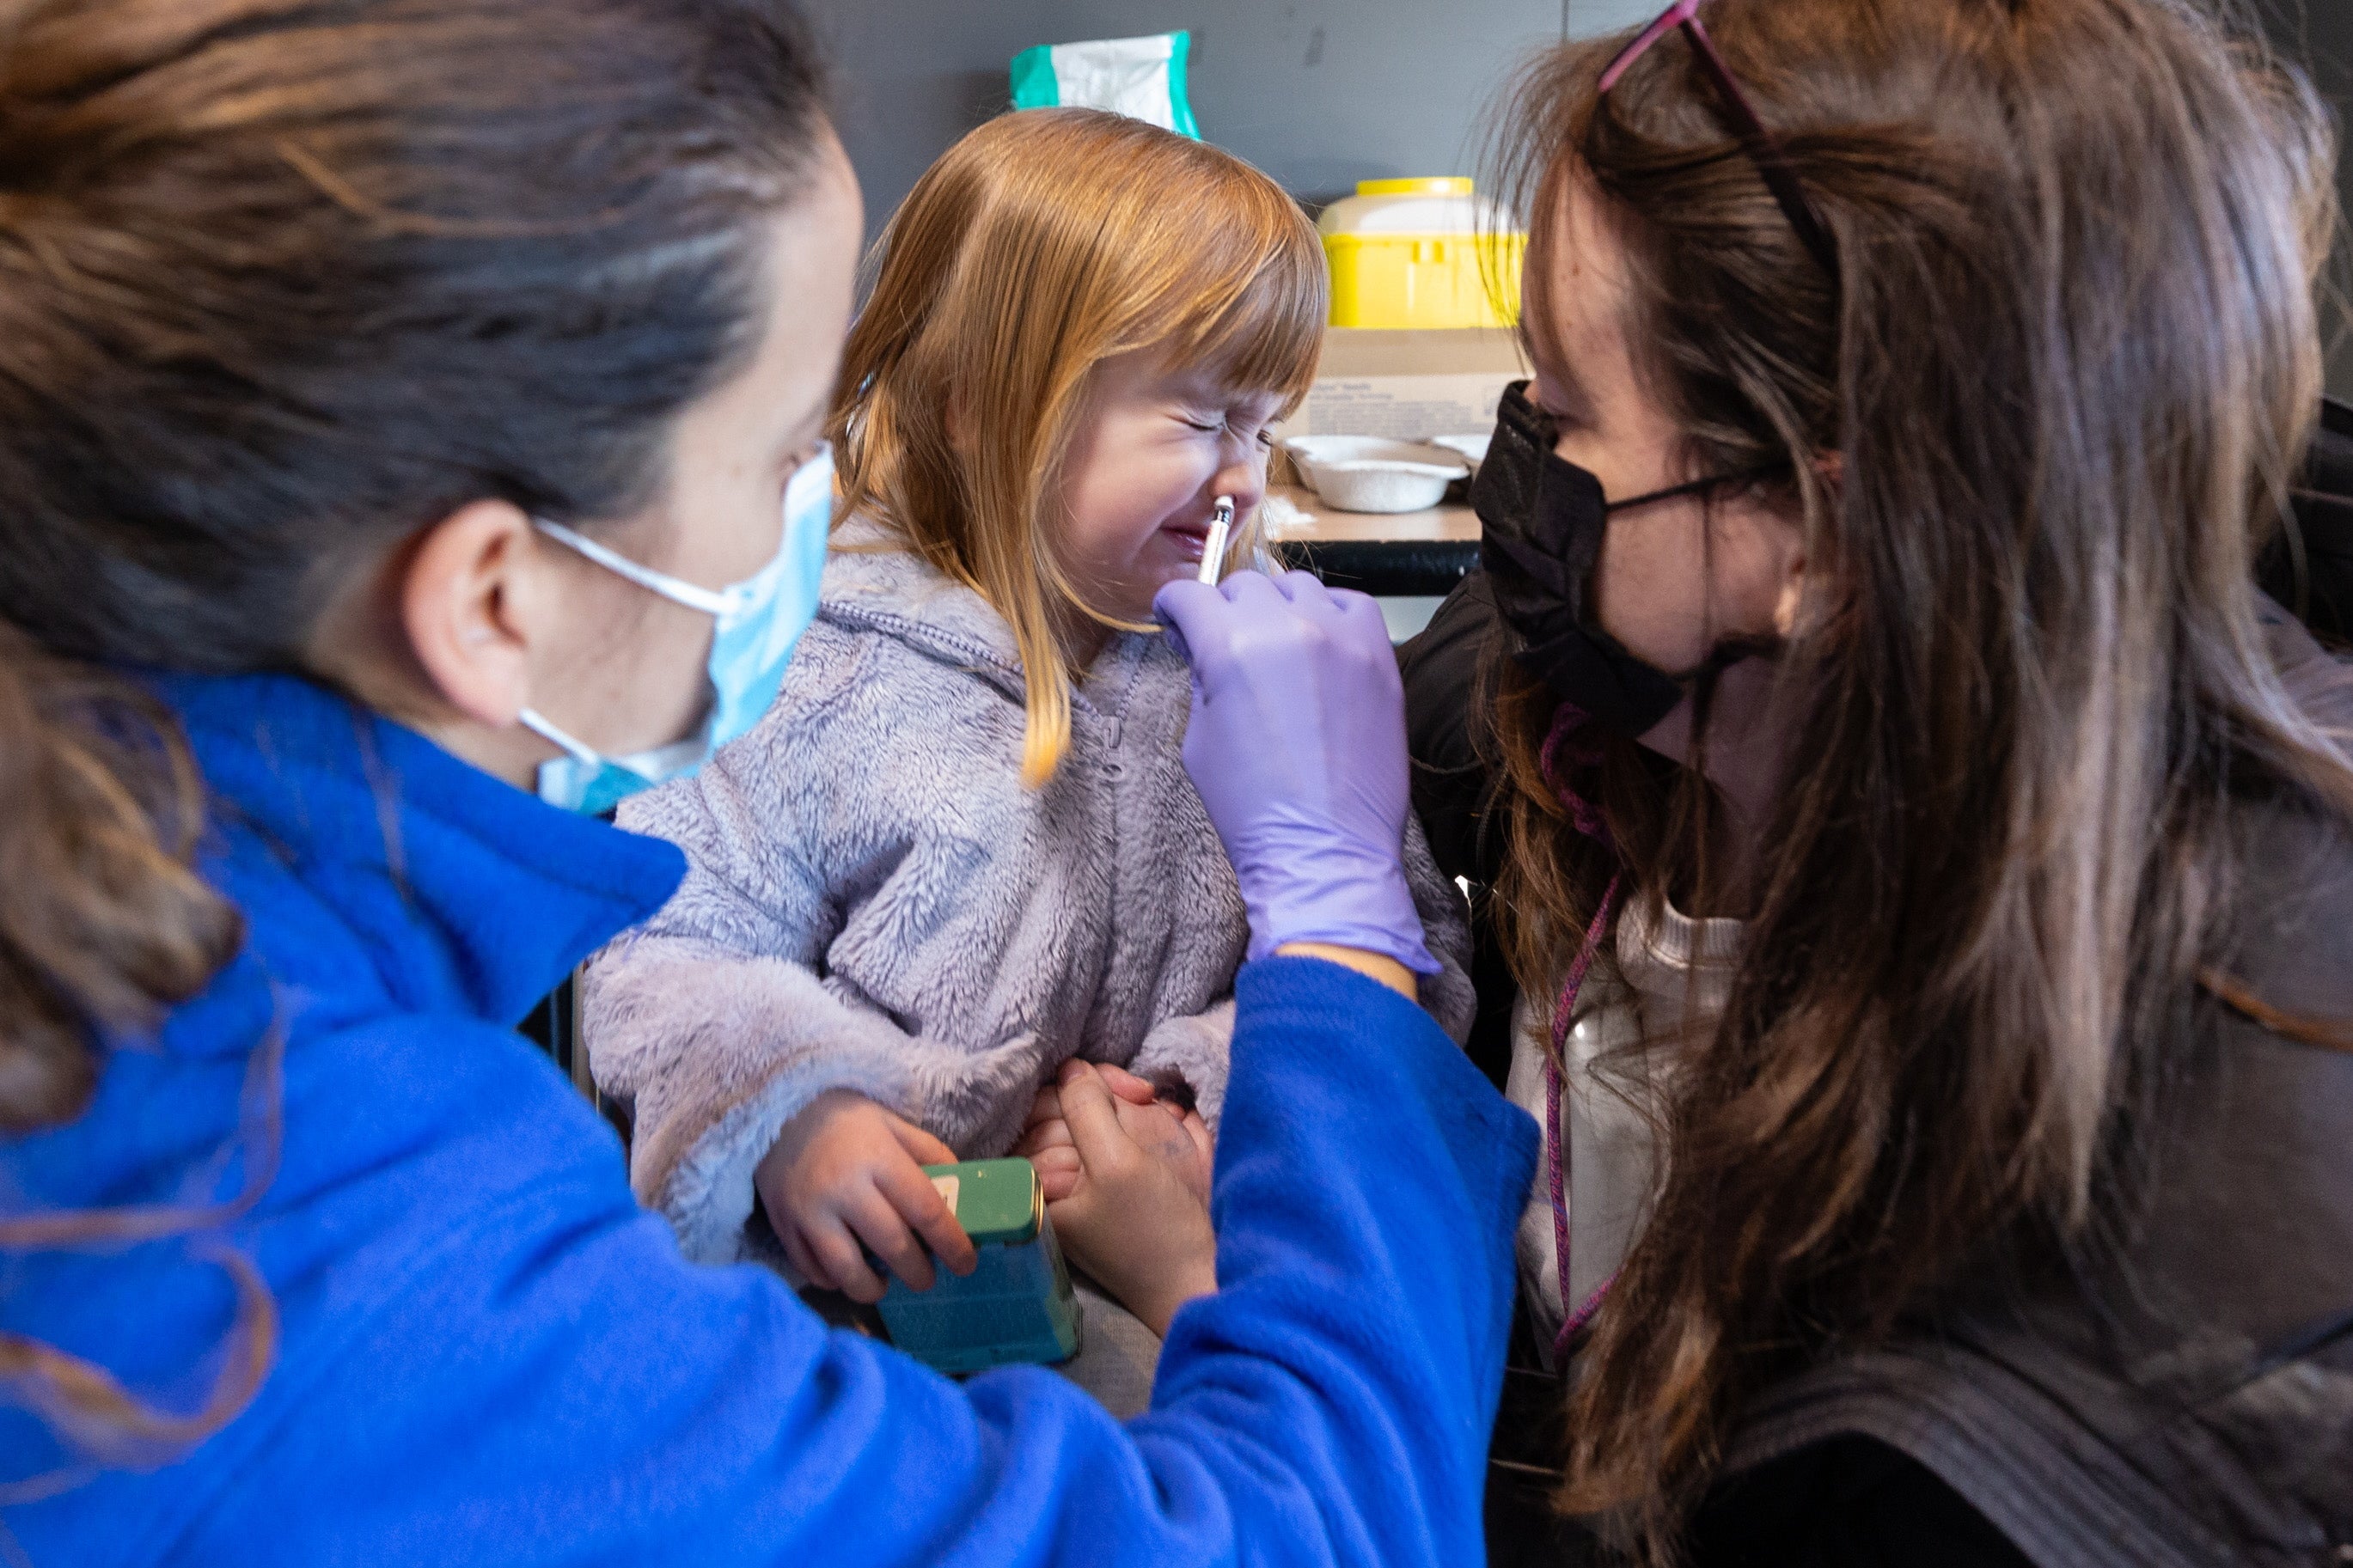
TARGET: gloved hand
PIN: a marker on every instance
(1297, 745)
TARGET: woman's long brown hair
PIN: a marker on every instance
(2066, 371)
(283, 282)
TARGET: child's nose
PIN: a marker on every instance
(1244, 479)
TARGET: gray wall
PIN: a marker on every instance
(1320, 93)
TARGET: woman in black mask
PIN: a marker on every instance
(1916, 855)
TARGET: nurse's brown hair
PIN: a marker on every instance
(283, 283)
(1042, 244)
(2043, 417)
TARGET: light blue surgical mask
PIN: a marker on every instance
(759, 620)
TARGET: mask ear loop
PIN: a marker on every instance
(715, 603)
(1568, 722)
(709, 601)
(1701, 487)
(530, 719)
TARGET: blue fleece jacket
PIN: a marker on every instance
(484, 1351)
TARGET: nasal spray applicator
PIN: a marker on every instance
(1213, 552)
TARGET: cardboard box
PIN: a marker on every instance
(1408, 385)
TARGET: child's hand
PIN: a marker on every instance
(1175, 1133)
(845, 1171)
(1130, 1216)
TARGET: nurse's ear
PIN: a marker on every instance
(440, 632)
(468, 599)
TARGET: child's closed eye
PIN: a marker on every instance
(1260, 430)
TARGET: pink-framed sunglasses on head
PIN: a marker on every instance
(1764, 149)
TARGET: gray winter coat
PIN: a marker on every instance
(874, 902)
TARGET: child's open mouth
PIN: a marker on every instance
(1191, 539)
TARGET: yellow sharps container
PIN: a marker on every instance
(1408, 253)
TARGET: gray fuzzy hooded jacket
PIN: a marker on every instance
(874, 902)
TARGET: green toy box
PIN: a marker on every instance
(1017, 1307)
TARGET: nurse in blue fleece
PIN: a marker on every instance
(397, 403)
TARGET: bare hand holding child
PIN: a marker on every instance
(1175, 1132)
(1127, 1177)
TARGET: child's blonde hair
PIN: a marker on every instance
(1041, 245)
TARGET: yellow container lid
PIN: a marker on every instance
(1430, 185)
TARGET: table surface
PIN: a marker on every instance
(1325, 523)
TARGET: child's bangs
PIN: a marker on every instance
(1249, 304)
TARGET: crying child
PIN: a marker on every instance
(962, 848)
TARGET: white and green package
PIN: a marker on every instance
(1140, 77)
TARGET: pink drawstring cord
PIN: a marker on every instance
(1568, 722)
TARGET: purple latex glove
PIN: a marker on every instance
(1297, 745)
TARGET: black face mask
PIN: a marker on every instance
(1542, 519)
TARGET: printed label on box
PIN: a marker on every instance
(948, 1187)
(1403, 408)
